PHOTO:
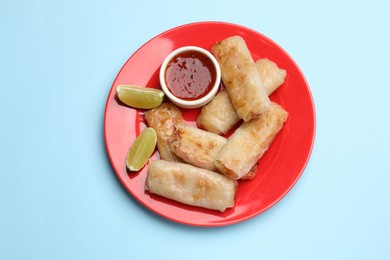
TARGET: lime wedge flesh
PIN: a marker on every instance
(139, 97)
(141, 149)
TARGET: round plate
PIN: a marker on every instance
(279, 168)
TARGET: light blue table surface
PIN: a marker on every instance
(59, 196)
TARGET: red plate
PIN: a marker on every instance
(279, 168)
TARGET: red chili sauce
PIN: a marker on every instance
(190, 75)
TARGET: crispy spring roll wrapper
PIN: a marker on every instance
(197, 147)
(252, 173)
(271, 74)
(249, 142)
(240, 77)
(219, 116)
(163, 120)
(191, 185)
(200, 148)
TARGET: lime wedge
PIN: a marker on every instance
(139, 97)
(141, 149)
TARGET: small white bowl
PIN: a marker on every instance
(190, 103)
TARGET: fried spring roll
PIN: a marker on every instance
(240, 77)
(163, 120)
(200, 148)
(219, 116)
(197, 147)
(191, 185)
(249, 142)
(271, 74)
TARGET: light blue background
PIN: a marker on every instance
(60, 198)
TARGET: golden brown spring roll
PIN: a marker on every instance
(200, 148)
(271, 74)
(163, 120)
(240, 77)
(219, 116)
(249, 142)
(191, 185)
(197, 147)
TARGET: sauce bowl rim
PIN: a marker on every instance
(190, 103)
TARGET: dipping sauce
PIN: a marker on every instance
(190, 75)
